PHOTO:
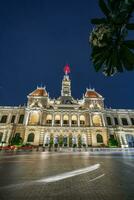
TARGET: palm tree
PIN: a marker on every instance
(111, 51)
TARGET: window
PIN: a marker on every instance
(116, 121)
(21, 119)
(30, 137)
(130, 140)
(3, 119)
(57, 119)
(13, 119)
(1, 136)
(99, 138)
(65, 119)
(49, 119)
(124, 121)
(132, 121)
(97, 120)
(34, 118)
(82, 120)
(74, 119)
(109, 121)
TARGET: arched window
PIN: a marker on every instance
(65, 140)
(124, 121)
(84, 139)
(56, 139)
(30, 137)
(74, 140)
(74, 119)
(130, 140)
(21, 119)
(82, 119)
(49, 119)
(13, 119)
(97, 120)
(34, 118)
(3, 119)
(109, 122)
(1, 136)
(99, 138)
(47, 139)
(65, 119)
(57, 119)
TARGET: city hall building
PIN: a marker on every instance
(66, 119)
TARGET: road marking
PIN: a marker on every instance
(97, 177)
(54, 178)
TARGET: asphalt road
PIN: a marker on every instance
(69, 176)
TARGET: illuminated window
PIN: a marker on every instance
(65, 119)
(82, 119)
(49, 119)
(57, 119)
(74, 119)
(34, 118)
(97, 120)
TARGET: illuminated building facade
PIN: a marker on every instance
(66, 121)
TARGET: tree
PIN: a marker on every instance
(51, 141)
(79, 141)
(17, 140)
(60, 140)
(111, 51)
(112, 142)
(70, 140)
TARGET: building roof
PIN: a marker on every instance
(91, 93)
(40, 91)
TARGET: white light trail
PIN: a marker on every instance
(70, 174)
(53, 178)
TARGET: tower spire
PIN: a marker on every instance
(66, 83)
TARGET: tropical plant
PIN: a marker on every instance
(60, 140)
(17, 140)
(111, 51)
(70, 140)
(112, 142)
(51, 141)
(79, 141)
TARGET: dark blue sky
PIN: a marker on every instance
(38, 37)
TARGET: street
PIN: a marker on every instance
(59, 176)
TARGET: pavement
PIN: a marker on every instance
(69, 176)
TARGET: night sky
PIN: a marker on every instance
(37, 39)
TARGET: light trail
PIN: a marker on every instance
(54, 178)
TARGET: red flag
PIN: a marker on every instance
(67, 69)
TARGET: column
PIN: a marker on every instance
(26, 118)
(70, 120)
(78, 116)
(103, 121)
(90, 117)
(61, 119)
(53, 120)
